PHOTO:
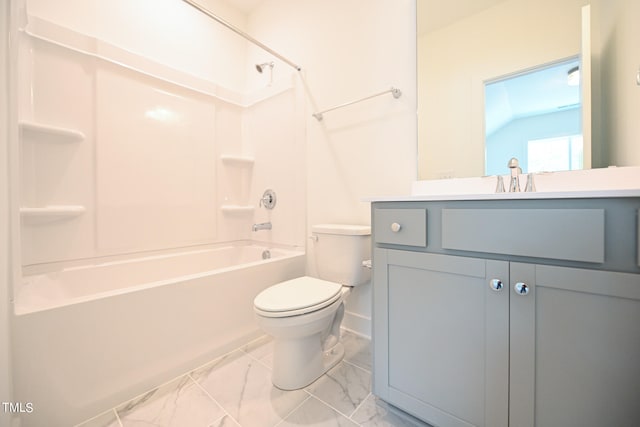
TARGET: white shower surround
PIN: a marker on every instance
(127, 154)
(137, 269)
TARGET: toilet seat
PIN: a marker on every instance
(297, 296)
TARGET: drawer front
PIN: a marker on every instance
(564, 234)
(406, 227)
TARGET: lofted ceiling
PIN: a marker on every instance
(435, 14)
(245, 6)
(541, 91)
(525, 95)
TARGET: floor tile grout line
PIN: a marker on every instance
(242, 350)
(309, 396)
(360, 406)
(331, 406)
(226, 413)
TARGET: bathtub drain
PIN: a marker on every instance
(266, 254)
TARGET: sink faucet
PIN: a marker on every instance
(261, 226)
(514, 184)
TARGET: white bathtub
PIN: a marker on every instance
(90, 337)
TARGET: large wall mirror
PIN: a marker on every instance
(467, 49)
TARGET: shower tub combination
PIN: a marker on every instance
(90, 337)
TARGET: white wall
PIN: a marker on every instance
(348, 50)
(617, 57)
(454, 62)
(5, 363)
(168, 31)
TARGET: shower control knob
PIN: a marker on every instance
(395, 227)
(268, 199)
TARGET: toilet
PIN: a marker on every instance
(303, 315)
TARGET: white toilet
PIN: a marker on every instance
(303, 315)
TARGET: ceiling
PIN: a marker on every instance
(435, 14)
(527, 94)
(537, 92)
(245, 6)
(448, 11)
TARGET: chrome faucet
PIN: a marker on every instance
(514, 184)
(261, 226)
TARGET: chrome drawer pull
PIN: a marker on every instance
(395, 227)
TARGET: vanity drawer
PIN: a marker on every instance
(406, 227)
(563, 234)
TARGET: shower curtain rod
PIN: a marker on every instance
(395, 91)
(241, 33)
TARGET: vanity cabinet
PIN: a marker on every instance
(441, 337)
(491, 335)
(574, 347)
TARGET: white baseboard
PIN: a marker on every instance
(357, 324)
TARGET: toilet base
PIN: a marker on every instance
(298, 363)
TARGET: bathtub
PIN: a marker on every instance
(90, 337)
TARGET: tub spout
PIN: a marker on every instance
(261, 226)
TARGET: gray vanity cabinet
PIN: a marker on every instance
(441, 337)
(574, 347)
(468, 338)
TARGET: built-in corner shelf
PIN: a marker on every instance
(51, 213)
(54, 132)
(237, 160)
(237, 209)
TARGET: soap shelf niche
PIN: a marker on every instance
(237, 209)
(238, 170)
(53, 132)
(40, 133)
(51, 213)
(245, 161)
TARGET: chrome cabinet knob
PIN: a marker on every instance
(395, 227)
(496, 284)
(521, 288)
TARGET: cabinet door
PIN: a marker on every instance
(575, 348)
(441, 337)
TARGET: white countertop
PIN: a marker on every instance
(593, 183)
(594, 194)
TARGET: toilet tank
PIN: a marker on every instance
(339, 251)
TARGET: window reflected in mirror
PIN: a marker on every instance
(535, 116)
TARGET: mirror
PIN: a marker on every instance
(535, 117)
(462, 45)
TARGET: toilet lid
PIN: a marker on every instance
(298, 294)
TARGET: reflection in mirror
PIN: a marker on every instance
(535, 117)
(464, 43)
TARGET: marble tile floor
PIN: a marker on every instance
(235, 390)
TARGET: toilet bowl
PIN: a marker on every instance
(301, 354)
(303, 315)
